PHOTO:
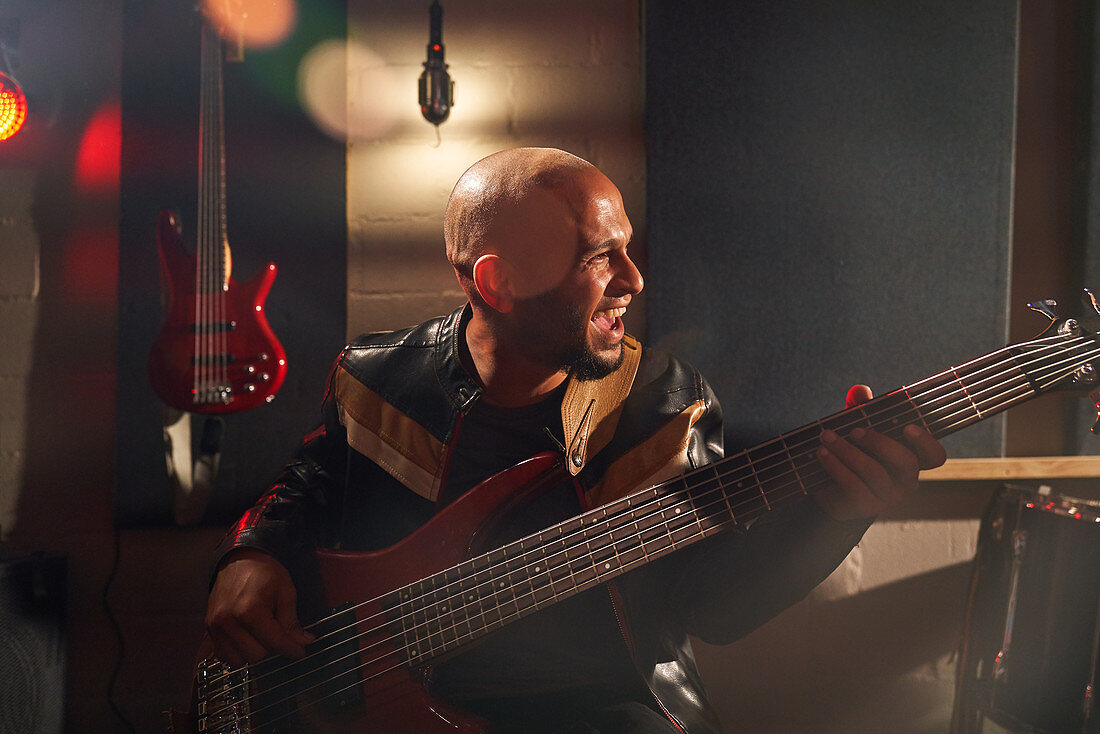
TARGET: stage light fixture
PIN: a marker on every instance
(13, 107)
(436, 90)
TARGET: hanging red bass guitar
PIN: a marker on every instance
(215, 352)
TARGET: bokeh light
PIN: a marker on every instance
(255, 23)
(13, 107)
(324, 83)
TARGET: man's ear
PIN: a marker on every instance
(494, 280)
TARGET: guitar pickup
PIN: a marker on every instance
(337, 649)
(209, 327)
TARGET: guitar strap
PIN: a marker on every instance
(590, 409)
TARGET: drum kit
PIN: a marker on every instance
(1028, 662)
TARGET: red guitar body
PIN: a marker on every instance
(396, 701)
(392, 695)
(243, 365)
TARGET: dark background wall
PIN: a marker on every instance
(829, 194)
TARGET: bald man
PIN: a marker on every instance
(537, 361)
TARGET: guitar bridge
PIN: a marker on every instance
(222, 696)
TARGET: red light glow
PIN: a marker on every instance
(97, 159)
(13, 107)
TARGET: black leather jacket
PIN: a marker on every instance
(392, 407)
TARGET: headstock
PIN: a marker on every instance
(1086, 327)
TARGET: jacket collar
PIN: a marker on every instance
(590, 409)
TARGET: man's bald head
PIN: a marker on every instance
(493, 200)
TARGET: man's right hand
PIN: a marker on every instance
(252, 611)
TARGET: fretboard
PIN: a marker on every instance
(212, 247)
(454, 607)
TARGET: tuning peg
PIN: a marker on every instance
(1090, 300)
(1045, 307)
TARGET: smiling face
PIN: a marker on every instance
(576, 276)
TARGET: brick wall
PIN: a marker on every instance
(563, 74)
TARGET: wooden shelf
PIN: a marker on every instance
(1015, 467)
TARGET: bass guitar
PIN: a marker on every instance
(438, 591)
(216, 352)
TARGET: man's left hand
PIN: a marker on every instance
(871, 471)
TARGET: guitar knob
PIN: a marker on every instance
(250, 388)
(250, 370)
(263, 356)
(264, 377)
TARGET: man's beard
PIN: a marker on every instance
(557, 336)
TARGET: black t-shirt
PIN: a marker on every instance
(561, 660)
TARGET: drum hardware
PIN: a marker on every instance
(1028, 659)
(1019, 546)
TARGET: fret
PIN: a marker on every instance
(471, 590)
(408, 632)
(995, 403)
(967, 390)
(839, 423)
(487, 590)
(754, 479)
(656, 533)
(748, 500)
(896, 411)
(443, 611)
(631, 524)
(443, 607)
(794, 466)
(545, 576)
(773, 469)
(714, 478)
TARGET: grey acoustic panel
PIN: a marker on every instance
(829, 189)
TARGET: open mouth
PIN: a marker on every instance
(610, 321)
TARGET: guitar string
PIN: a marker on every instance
(503, 620)
(534, 607)
(530, 608)
(594, 579)
(613, 525)
(610, 508)
(565, 550)
(612, 529)
(222, 282)
(211, 340)
(198, 384)
(209, 230)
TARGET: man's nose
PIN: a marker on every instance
(628, 277)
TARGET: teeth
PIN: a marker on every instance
(611, 313)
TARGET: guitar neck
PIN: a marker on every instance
(212, 247)
(446, 611)
(449, 609)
